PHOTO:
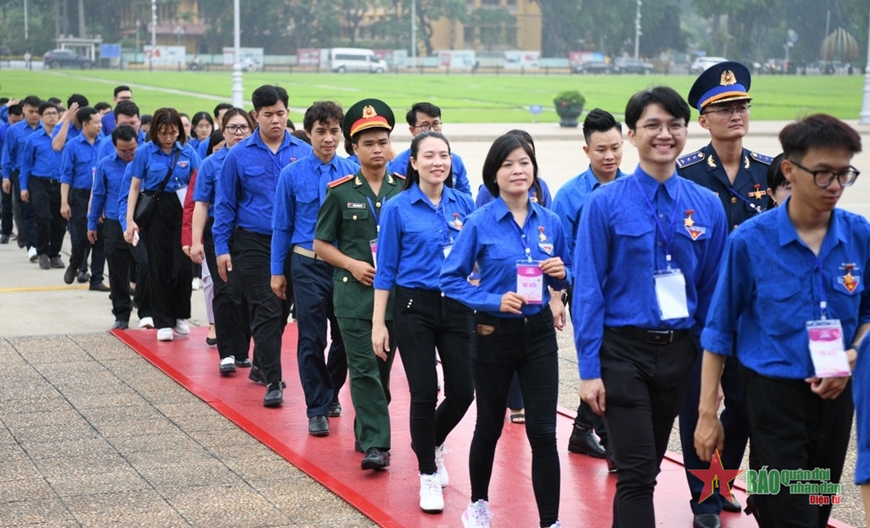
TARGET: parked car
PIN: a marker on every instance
(62, 58)
(702, 63)
(593, 67)
(343, 60)
(630, 65)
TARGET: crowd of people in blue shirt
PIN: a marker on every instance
(722, 287)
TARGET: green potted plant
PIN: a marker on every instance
(569, 106)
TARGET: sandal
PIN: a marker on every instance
(518, 417)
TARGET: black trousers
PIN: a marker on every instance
(585, 418)
(792, 428)
(50, 225)
(423, 321)
(645, 386)
(6, 213)
(268, 314)
(118, 256)
(23, 213)
(78, 231)
(168, 270)
(139, 270)
(527, 346)
(231, 318)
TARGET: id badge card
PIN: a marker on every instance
(373, 244)
(530, 281)
(182, 194)
(826, 348)
(671, 294)
(447, 249)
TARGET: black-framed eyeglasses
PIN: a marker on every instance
(675, 128)
(824, 178)
(728, 111)
(434, 125)
(236, 129)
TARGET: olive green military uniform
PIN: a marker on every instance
(349, 217)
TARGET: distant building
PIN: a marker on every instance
(178, 24)
(526, 35)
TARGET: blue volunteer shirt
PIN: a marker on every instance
(206, 177)
(124, 197)
(771, 284)
(247, 184)
(399, 165)
(38, 159)
(108, 121)
(301, 190)
(73, 132)
(79, 163)
(484, 197)
(151, 165)
(570, 199)
(107, 148)
(13, 146)
(619, 247)
(107, 190)
(413, 236)
(491, 238)
(202, 148)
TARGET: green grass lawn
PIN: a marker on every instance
(463, 98)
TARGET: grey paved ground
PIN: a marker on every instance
(93, 435)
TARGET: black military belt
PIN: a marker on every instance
(654, 337)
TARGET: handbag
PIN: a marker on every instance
(147, 202)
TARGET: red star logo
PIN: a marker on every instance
(715, 476)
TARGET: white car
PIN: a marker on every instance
(702, 63)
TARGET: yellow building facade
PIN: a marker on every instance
(451, 34)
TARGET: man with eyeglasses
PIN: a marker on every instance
(646, 261)
(792, 305)
(423, 117)
(738, 176)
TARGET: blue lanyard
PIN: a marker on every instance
(755, 207)
(656, 217)
(277, 161)
(442, 215)
(374, 211)
(817, 272)
(522, 234)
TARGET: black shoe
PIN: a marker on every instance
(4, 239)
(227, 365)
(83, 277)
(256, 375)
(706, 520)
(210, 341)
(243, 363)
(274, 395)
(99, 286)
(70, 274)
(120, 325)
(318, 426)
(357, 447)
(334, 409)
(584, 442)
(611, 463)
(57, 263)
(376, 458)
(44, 262)
(731, 507)
(20, 241)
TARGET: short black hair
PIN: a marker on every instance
(45, 106)
(102, 105)
(323, 111)
(775, 178)
(121, 88)
(425, 108)
(77, 98)
(127, 108)
(290, 126)
(268, 95)
(54, 100)
(219, 107)
(15, 110)
(214, 140)
(145, 119)
(123, 133)
(199, 116)
(818, 131)
(233, 112)
(84, 114)
(412, 177)
(498, 152)
(523, 134)
(301, 134)
(599, 120)
(3, 100)
(665, 96)
(31, 100)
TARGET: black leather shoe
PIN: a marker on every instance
(256, 375)
(584, 442)
(274, 395)
(99, 286)
(210, 341)
(70, 274)
(318, 426)
(376, 458)
(44, 262)
(83, 277)
(243, 363)
(4, 239)
(611, 463)
(120, 325)
(57, 263)
(706, 520)
(334, 409)
(731, 507)
(357, 447)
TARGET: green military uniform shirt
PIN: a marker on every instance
(349, 217)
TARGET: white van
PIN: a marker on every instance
(343, 60)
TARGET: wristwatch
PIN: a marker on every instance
(564, 297)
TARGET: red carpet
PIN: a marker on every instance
(390, 498)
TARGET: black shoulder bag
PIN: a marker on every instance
(147, 202)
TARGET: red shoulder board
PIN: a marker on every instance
(340, 181)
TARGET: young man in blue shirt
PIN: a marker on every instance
(243, 228)
(125, 113)
(784, 275)
(14, 115)
(13, 152)
(301, 190)
(646, 260)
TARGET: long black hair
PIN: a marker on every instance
(412, 176)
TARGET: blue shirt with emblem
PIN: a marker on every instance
(247, 183)
(206, 179)
(493, 239)
(744, 199)
(620, 246)
(38, 159)
(771, 284)
(79, 163)
(151, 165)
(414, 234)
(484, 196)
(301, 190)
(13, 146)
(570, 199)
(107, 190)
(399, 165)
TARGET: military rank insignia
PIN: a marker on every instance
(849, 281)
(689, 224)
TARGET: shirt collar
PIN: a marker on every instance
(416, 194)
(788, 234)
(593, 183)
(500, 209)
(258, 141)
(650, 185)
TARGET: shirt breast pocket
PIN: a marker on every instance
(780, 304)
(849, 284)
(502, 252)
(632, 229)
(355, 223)
(154, 176)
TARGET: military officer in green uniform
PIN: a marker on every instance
(346, 237)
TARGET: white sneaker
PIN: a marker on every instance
(440, 451)
(164, 334)
(196, 284)
(477, 515)
(431, 498)
(147, 322)
(181, 327)
(228, 365)
(556, 524)
(31, 254)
